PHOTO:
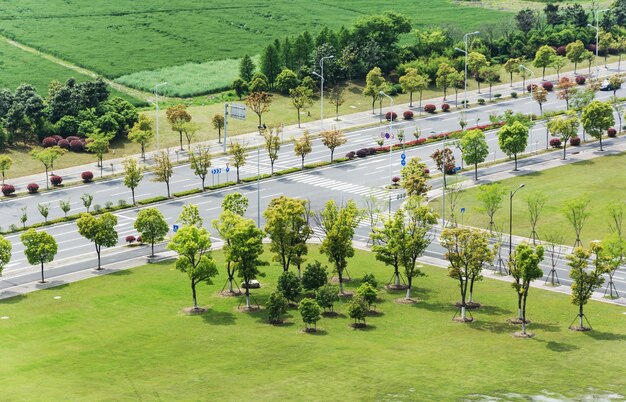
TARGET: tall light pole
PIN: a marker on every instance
(465, 41)
(321, 76)
(511, 195)
(390, 135)
(523, 67)
(597, 28)
(156, 98)
(258, 183)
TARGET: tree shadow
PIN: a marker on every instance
(605, 336)
(550, 327)
(560, 346)
(434, 307)
(491, 326)
(218, 317)
(52, 285)
(122, 272)
(493, 310)
(318, 332)
(368, 327)
(8, 297)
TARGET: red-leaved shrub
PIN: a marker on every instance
(139, 239)
(561, 51)
(71, 138)
(130, 239)
(574, 141)
(445, 107)
(426, 171)
(32, 188)
(48, 142)
(555, 142)
(77, 146)
(580, 80)
(57, 137)
(430, 108)
(395, 179)
(547, 85)
(8, 189)
(87, 176)
(529, 86)
(56, 180)
(408, 115)
(63, 143)
(391, 116)
(612, 132)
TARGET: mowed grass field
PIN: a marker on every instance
(124, 337)
(601, 179)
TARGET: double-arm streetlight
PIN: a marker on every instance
(511, 195)
(381, 93)
(597, 28)
(532, 75)
(321, 77)
(465, 40)
(156, 98)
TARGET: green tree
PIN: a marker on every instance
(270, 63)
(289, 285)
(237, 156)
(575, 210)
(374, 83)
(303, 146)
(524, 268)
(132, 175)
(47, 156)
(414, 177)
(65, 206)
(476, 61)
(310, 312)
(271, 145)
(44, 210)
(315, 276)
(301, 97)
(490, 75)
(490, 197)
(445, 76)
(259, 103)
(5, 253)
(357, 310)
(142, 133)
(474, 148)
(236, 203)
(338, 224)
(535, 203)
(99, 143)
(190, 216)
(286, 81)
(152, 226)
(39, 248)
(246, 68)
(558, 62)
(200, 162)
(193, 245)
(511, 66)
(337, 98)
(368, 293)
(597, 117)
(543, 58)
(327, 296)
(5, 165)
(87, 199)
(177, 116)
(411, 82)
(217, 122)
(240, 86)
(225, 226)
(574, 52)
(98, 230)
(332, 139)
(190, 129)
(512, 139)
(566, 127)
(163, 169)
(276, 306)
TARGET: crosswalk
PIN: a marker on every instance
(338, 185)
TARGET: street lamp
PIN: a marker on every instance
(390, 135)
(523, 67)
(597, 28)
(511, 195)
(465, 39)
(321, 76)
(258, 180)
(156, 97)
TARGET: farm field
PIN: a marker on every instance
(560, 184)
(123, 336)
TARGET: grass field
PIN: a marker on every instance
(600, 178)
(124, 337)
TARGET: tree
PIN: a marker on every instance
(476, 61)
(616, 82)
(200, 162)
(65, 206)
(47, 156)
(132, 175)
(618, 108)
(526, 19)
(310, 312)
(286, 81)
(338, 225)
(5, 253)
(177, 117)
(314, 276)
(235, 203)
(289, 285)
(190, 129)
(337, 97)
(303, 146)
(246, 68)
(152, 226)
(490, 75)
(613, 251)
(39, 248)
(272, 146)
(524, 268)
(490, 197)
(276, 306)
(414, 177)
(543, 58)
(217, 122)
(445, 75)
(193, 245)
(326, 296)
(597, 117)
(511, 66)
(368, 292)
(579, 101)
(44, 210)
(332, 139)
(87, 199)
(444, 160)
(190, 216)
(585, 281)
(238, 156)
(301, 97)
(512, 139)
(225, 226)
(270, 63)
(605, 43)
(357, 310)
(466, 251)
(259, 103)
(567, 89)
(558, 62)
(575, 210)
(240, 86)
(540, 95)
(142, 133)
(474, 148)
(5, 165)
(411, 82)
(163, 169)
(615, 210)
(574, 52)
(98, 230)
(99, 143)
(566, 127)
(287, 225)
(535, 202)
(374, 83)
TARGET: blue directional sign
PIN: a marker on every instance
(403, 162)
(387, 135)
(227, 169)
(216, 171)
(463, 210)
(403, 156)
(175, 228)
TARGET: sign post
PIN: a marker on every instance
(237, 111)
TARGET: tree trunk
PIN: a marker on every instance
(524, 311)
(193, 292)
(298, 110)
(98, 253)
(132, 191)
(601, 142)
(152, 255)
(475, 171)
(410, 98)
(203, 178)
(515, 156)
(181, 139)
(580, 315)
(238, 181)
(575, 66)
(167, 183)
(302, 163)
(511, 77)
(408, 290)
(340, 274)
(564, 149)
(219, 134)
(143, 151)
(397, 274)
(332, 151)
(43, 280)
(247, 295)
(420, 108)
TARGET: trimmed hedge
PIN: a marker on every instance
(56, 180)
(430, 108)
(32, 188)
(152, 200)
(187, 192)
(8, 189)
(574, 141)
(87, 176)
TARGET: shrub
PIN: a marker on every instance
(445, 107)
(514, 95)
(426, 171)
(368, 293)
(395, 179)
(351, 155)
(276, 306)
(547, 85)
(391, 115)
(481, 101)
(612, 132)
(555, 142)
(326, 296)
(531, 86)
(48, 142)
(362, 153)
(108, 205)
(430, 108)
(574, 141)
(56, 180)
(72, 138)
(97, 208)
(315, 276)
(371, 151)
(122, 203)
(63, 143)
(139, 239)
(560, 51)
(408, 115)
(57, 137)
(580, 80)
(32, 188)
(87, 176)
(8, 189)
(371, 279)
(130, 239)
(77, 146)
(497, 96)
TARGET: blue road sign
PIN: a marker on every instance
(175, 228)
(457, 168)
(387, 135)
(403, 162)
(216, 171)
(403, 156)
(463, 210)
(227, 169)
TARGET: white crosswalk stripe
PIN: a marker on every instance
(338, 185)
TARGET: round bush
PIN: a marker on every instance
(130, 239)
(513, 94)
(87, 176)
(63, 143)
(547, 85)
(362, 153)
(531, 86)
(408, 115)
(73, 138)
(574, 141)
(445, 107)
(56, 180)
(395, 179)
(430, 108)
(555, 142)
(351, 155)
(8, 189)
(48, 142)
(57, 137)
(139, 239)
(426, 171)
(612, 132)
(391, 116)
(580, 80)
(77, 146)
(481, 101)
(561, 51)
(371, 151)
(32, 188)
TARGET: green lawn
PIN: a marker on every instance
(602, 179)
(124, 337)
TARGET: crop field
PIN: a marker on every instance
(118, 38)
